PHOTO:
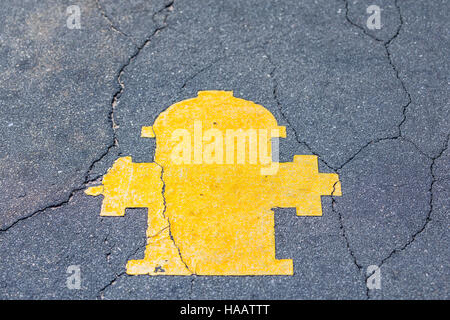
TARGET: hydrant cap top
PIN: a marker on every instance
(215, 109)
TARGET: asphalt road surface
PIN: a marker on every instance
(373, 105)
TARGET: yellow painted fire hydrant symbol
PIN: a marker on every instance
(211, 188)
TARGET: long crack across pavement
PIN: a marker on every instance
(118, 275)
(114, 101)
(163, 192)
(297, 138)
(430, 210)
(398, 136)
(114, 142)
(116, 96)
(395, 69)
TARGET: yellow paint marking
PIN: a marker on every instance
(209, 212)
(94, 191)
(147, 132)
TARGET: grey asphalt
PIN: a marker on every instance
(374, 105)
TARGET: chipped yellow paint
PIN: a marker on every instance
(147, 132)
(213, 217)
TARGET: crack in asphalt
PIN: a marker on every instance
(101, 292)
(105, 242)
(282, 113)
(163, 193)
(428, 218)
(114, 142)
(116, 96)
(48, 207)
(116, 277)
(109, 19)
(374, 141)
(201, 70)
(399, 135)
(346, 240)
(205, 68)
(296, 135)
(191, 288)
(114, 101)
(394, 68)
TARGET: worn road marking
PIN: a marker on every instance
(210, 191)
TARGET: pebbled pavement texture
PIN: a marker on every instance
(373, 105)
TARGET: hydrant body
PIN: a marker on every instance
(212, 187)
